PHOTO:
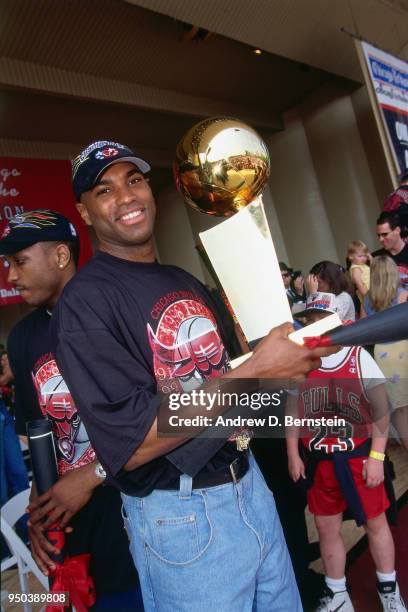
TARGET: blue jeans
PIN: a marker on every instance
(13, 472)
(220, 549)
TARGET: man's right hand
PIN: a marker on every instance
(41, 549)
(58, 505)
(65, 498)
(276, 356)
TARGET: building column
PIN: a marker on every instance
(173, 234)
(341, 167)
(306, 230)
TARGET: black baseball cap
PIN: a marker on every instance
(88, 166)
(34, 226)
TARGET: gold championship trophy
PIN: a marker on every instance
(220, 169)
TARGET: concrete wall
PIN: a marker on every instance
(173, 234)
(297, 197)
(371, 142)
(341, 168)
(328, 175)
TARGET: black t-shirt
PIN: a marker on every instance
(40, 391)
(401, 259)
(126, 333)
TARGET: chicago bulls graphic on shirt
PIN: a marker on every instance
(57, 405)
(187, 348)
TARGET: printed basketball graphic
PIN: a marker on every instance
(187, 348)
(57, 405)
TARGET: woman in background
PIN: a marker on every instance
(392, 357)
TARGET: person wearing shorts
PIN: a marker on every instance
(325, 497)
(345, 432)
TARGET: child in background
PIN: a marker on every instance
(359, 256)
(344, 465)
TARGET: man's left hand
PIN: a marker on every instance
(64, 499)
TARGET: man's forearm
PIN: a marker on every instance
(153, 446)
(275, 357)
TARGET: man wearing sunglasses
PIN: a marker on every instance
(393, 245)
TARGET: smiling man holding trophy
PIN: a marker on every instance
(195, 504)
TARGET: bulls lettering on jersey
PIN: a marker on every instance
(336, 392)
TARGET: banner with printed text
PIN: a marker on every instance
(389, 82)
(28, 184)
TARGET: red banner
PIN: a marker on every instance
(27, 184)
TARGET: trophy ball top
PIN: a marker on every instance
(221, 165)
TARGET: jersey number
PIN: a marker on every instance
(332, 438)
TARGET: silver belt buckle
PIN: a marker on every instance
(232, 470)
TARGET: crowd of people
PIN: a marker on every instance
(370, 283)
(107, 346)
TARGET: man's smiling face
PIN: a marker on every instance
(121, 209)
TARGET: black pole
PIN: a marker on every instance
(45, 472)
